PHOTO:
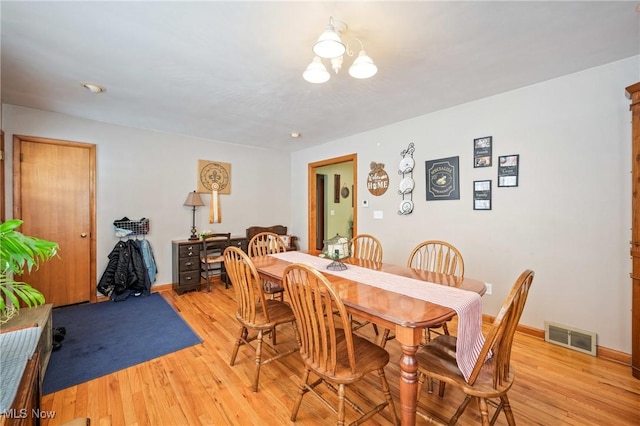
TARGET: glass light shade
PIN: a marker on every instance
(363, 66)
(329, 44)
(316, 72)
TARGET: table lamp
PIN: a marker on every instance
(194, 200)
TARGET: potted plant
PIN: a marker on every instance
(17, 252)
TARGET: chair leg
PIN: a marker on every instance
(387, 395)
(484, 411)
(301, 391)
(241, 337)
(460, 410)
(507, 410)
(384, 337)
(341, 404)
(258, 360)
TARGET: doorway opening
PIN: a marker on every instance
(333, 198)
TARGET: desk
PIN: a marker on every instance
(404, 314)
(185, 256)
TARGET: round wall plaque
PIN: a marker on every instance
(378, 179)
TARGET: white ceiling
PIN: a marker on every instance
(232, 71)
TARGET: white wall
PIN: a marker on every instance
(141, 173)
(568, 220)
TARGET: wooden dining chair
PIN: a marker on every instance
(492, 375)
(329, 348)
(263, 244)
(211, 259)
(434, 256)
(255, 312)
(365, 247)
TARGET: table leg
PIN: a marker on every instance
(409, 338)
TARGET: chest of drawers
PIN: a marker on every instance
(186, 262)
(186, 265)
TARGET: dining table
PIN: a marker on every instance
(395, 297)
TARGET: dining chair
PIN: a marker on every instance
(365, 247)
(211, 259)
(328, 346)
(263, 244)
(492, 374)
(255, 312)
(434, 256)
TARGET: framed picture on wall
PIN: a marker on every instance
(508, 166)
(443, 179)
(336, 188)
(482, 151)
(482, 195)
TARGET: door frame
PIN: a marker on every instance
(17, 202)
(311, 213)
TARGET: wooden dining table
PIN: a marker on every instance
(406, 316)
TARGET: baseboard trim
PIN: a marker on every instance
(602, 352)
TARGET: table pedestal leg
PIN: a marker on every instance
(409, 338)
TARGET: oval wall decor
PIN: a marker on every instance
(378, 179)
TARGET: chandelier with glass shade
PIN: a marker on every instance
(330, 46)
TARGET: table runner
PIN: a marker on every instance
(467, 304)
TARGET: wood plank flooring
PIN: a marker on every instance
(196, 386)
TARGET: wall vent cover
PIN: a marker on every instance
(570, 337)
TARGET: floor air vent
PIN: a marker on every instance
(569, 337)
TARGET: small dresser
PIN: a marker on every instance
(186, 262)
(186, 265)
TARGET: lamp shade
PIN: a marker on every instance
(363, 66)
(329, 44)
(193, 200)
(316, 72)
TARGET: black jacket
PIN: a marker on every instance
(126, 273)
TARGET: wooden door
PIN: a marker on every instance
(633, 92)
(54, 185)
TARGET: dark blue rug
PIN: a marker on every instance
(109, 336)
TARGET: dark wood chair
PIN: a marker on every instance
(492, 375)
(211, 259)
(255, 312)
(291, 240)
(329, 348)
(263, 244)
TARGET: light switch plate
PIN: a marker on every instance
(377, 214)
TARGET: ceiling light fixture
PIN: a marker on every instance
(93, 88)
(330, 46)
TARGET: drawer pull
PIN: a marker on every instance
(188, 264)
(188, 278)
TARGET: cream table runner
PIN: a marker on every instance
(467, 304)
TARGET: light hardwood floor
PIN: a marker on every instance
(196, 386)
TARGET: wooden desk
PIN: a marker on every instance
(404, 314)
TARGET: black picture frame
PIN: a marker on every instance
(508, 170)
(443, 179)
(336, 188)
(482, 194)
(482, 151)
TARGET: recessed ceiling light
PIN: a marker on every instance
(93, 88)
(295, 134)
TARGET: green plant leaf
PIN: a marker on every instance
(18, 253)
